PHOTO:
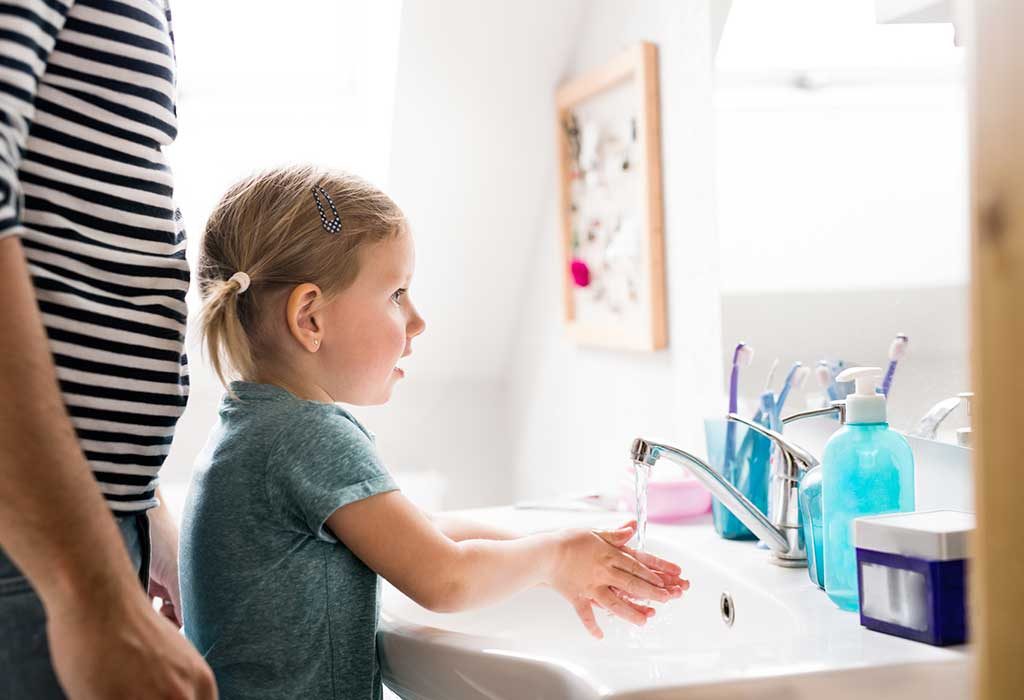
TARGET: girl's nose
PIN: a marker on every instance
(416, 324)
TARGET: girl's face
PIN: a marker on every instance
(369, 327)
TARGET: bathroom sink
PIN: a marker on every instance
(744, 627)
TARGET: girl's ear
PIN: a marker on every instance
(305, 319)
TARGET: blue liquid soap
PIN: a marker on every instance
(867, 469)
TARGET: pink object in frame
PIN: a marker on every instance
(580, 273)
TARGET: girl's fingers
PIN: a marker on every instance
(638, 588)
(674, 582)
(662, 565)
(633, 567)
(618, 538)
(639, 607)
(618, 607)
(586, 615)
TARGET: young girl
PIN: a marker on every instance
(291, 515)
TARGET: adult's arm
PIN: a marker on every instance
(105, 640)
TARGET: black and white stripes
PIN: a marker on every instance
(86, 106)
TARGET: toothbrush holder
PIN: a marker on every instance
(749, 471)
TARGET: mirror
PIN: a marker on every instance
(842, 192)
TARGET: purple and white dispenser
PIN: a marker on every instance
(911, 574)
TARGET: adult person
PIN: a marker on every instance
(93, 374)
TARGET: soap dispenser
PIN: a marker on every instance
(866, 469)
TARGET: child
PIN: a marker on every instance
(305, 275)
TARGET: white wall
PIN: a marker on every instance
(470, 144)
(859, 187)
(841, 150)
(472, 154)
(575, 410)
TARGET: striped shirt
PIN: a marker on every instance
(86, 106)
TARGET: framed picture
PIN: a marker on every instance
(612, 222)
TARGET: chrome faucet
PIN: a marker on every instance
(782, 534)
(928, 426)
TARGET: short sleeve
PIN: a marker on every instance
(28, 33)
(320, 462)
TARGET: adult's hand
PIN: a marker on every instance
(125, 650)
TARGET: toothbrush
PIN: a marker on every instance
(771, 375)
(767, 397)
(896, 352)
(743, 354)
(765, 410)
(826, 380)
(795, 379)
(766, 414)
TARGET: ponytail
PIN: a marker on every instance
(227, 344)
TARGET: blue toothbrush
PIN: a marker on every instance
(795, 379)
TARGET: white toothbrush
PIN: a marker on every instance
(794, 380)
(767, 403)
(826, 380)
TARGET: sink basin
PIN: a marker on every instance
(744, 626)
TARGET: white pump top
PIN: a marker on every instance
(865, 405)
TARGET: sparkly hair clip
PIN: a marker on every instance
(330, 225)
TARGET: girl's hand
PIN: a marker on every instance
(596, 567)
(163, 569)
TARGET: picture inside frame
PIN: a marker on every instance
(612, 223)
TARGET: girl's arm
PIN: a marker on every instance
(457, 528)
(395, 539)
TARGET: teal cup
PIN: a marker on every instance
(749, 470)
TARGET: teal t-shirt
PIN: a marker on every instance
(274, 602)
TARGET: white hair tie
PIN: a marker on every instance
(242, 279)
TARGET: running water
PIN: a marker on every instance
(643, 473)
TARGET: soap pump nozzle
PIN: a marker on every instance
(865, 405)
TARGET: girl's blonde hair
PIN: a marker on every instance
(269, 227)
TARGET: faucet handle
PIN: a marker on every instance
(804, 459)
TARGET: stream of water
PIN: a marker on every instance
(643, 475)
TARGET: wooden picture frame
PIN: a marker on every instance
(609, 145)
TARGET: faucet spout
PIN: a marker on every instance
(646, 452)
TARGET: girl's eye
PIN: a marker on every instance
(397, 296)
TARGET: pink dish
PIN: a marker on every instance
(667, 501)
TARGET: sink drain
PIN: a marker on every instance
(728, 609)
